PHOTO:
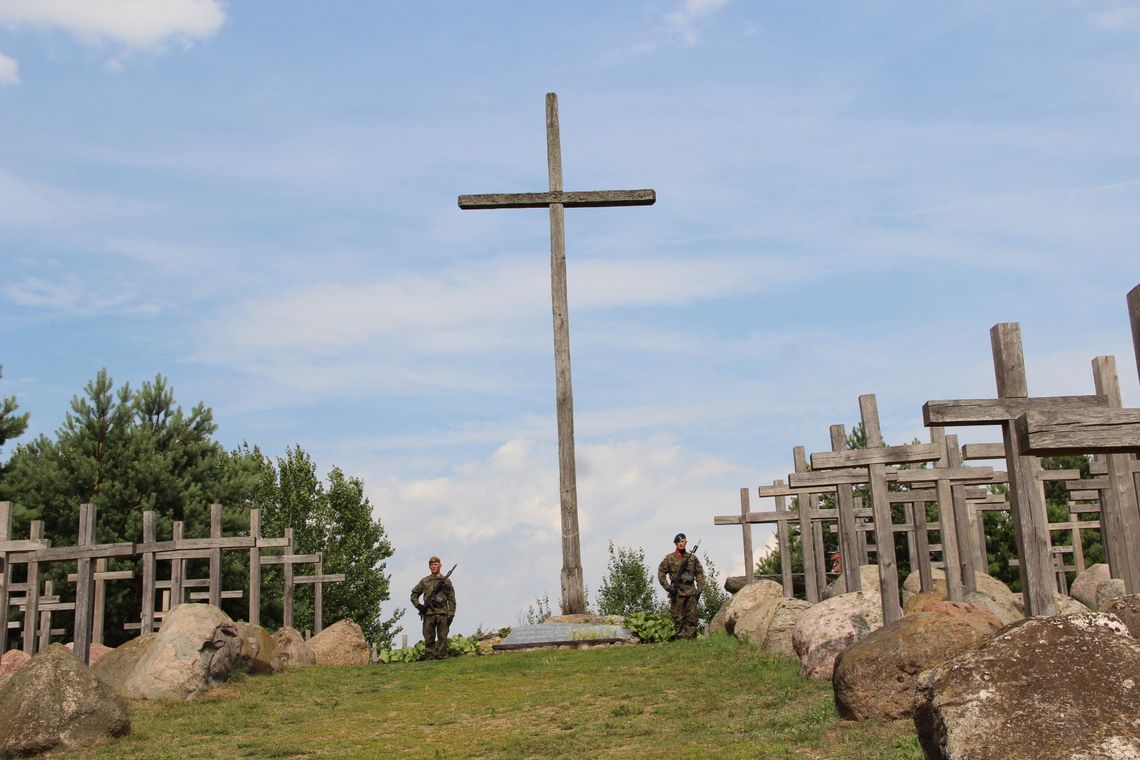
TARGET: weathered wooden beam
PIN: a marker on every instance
(975, 451)
(571, 199)
(1106, 431)
(1133, 300)
(308, 559)
(325, 578)
(958, 412)
(828, 460)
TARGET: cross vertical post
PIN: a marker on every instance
(850, 555)
(557, 200)
(806, 506)
(1133, 299)
(746, 529)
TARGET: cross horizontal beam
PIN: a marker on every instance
(1101, 431)
(580, 199)
(995, 411)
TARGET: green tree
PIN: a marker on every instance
(627, 586)
(337, 520)
(132, 451)
(12, 425)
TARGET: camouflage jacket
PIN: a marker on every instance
(444, 601)
(683, 574)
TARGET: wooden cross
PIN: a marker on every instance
(1106, 431)
(573, 590)
(954, 525)
(875, 457)
(318, 579)
(8, 546)
(1027, 497)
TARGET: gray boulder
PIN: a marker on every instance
(1002, 606)
(749, 597)
(195, 649)
(340, 644)
(826, 629)
(115, 667)
(1094, 586)
(984, 583)
(868, 577)
(875, 677)
(55, 702)
(1127, 608)
(1045, 688)
(292, 648)
(258, 654)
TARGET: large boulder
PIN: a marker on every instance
(749, 597)
(258, 655)
(116, 666)
(1066, 605)
(1127, 608)
(716, 625)
(1002, 606)
(782, 627)
(195, 649)
(868, 577)
(1095, 585)
(13, 660)
(981, 620)
(875, 677)
(95, 652)
(292, 648)
(1046, 688)
(826, 629)
(340, 644)
(985, 583)
(55, 702)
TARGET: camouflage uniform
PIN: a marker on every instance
(437, 618)
(685, 579)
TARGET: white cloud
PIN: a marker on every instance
(635, 492)
(9, 70)
(685, 20)
(1117, 19)
(137, 24)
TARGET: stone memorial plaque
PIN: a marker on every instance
(554, 634)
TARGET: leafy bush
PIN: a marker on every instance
(628, 584)
(650, 627)
(458, 646)
(407, 654)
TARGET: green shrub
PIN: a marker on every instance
(650, 627)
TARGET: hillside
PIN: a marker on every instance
(710, 698)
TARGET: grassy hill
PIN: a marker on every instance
(710, 698)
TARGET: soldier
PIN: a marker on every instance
(437, 610)
(683, 578)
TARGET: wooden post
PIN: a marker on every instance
(746, 530)
(84, 586)
(318, 597)
(850, 552)
(884, 539)
(216, 556)
(255, 568)
(177, 569)
(808, 504)
(45, 619)
(556, 200)
(1133, 300)
(32, 595)
(150, 536)
(6, 570)
(1120, 513)
(1027, 496)
(287, 610)
(783, 537)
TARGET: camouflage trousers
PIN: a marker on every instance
(435, 636)
(684, 611)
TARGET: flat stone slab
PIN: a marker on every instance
(563, 634)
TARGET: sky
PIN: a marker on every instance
(257, 200)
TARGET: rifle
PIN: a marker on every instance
(681, 573)
(429, 600)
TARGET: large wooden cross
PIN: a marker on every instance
(1027, 497)
(557, 200)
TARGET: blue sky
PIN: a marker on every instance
(258, 200)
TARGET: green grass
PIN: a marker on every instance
(710, 698)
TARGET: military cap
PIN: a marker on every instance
(678, 537)
(433, 559)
